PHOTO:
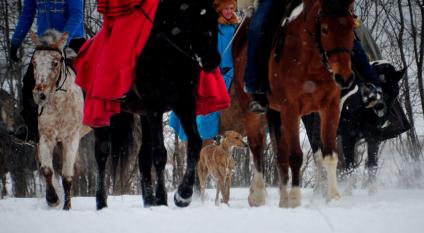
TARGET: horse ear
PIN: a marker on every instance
(34, 38)
(60, 44)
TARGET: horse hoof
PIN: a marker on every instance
(148, 202)
(256, 198)
(101, 201)
(161, 197)
(52, 200)
(294, 198)
(180, 201)
(162, 201)
(67, 206)
(53, 203)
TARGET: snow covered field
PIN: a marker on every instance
(389, 210)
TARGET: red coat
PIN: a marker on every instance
(212, 94)
(106, 63)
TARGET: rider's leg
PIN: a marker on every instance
(260, 34)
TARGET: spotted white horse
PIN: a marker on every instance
(60, 108)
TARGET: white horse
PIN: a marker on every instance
(60, 108)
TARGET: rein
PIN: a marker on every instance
(325, 54)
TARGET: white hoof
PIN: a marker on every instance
(294, 197)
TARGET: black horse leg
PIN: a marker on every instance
(121, 136)
(313, 131)
(348, 153)
(187, 117)
(372, 161)
(145, 163)
(312, 126)
(159, 156)
(102, 151)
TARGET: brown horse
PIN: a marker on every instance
(308, 77)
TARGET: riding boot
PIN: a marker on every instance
(258, 104)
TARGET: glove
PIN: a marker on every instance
(14, 53)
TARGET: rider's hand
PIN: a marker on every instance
(13, 53)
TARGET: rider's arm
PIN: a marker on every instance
(75, 10)
(25, 22)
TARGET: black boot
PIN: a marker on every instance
(258, 104)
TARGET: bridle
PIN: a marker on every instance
(63, 66)
(326, 54)
(63, 71)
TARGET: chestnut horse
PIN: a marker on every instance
(308, 77)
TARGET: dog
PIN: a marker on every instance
(216, 160)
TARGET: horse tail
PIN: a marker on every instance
(123, 135)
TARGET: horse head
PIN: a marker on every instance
(48, 61)
(204, 33)
(334, 35)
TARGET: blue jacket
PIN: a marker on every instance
(225, 34)
(62, 15)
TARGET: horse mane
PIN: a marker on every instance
(336, 7)
(49, 38)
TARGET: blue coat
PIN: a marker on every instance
(62, 15)
(208, 125)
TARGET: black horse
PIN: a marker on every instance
(183, 40)
(358, 122)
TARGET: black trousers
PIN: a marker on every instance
(29, 111)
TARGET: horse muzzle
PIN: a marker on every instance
(344, 83)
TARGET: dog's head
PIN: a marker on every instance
(233, 139)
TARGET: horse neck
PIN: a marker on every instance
(303, 28)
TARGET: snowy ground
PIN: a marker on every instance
(394, 210)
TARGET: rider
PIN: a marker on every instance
(260, 33)
(64, 16)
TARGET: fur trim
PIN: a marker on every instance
(234, 20)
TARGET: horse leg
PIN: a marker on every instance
(159, 155)
(45, 151)
(187, 116)
(102, 151)
(256, 138)
(312, 126)
(291, 152)
(145, 164)
(70, 154)
(274, 124)
(329, 123)
(372, 164)
(348, 143)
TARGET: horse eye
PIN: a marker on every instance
(55, 63)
